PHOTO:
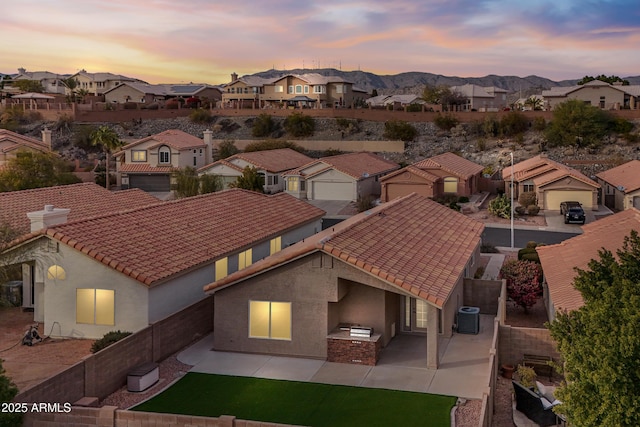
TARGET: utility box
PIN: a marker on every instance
(468, 320)
(143, 377)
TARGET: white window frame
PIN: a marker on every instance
(278, 89)
(97, 306)
(255, 310)
(162, 151)
(298, 89)
(290, 89)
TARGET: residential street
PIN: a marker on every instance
(500, 236)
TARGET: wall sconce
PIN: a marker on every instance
(55, 272)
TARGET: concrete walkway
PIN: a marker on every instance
(492, 270)
(463, 372)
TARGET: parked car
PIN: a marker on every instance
(565, 206)
(574, 214)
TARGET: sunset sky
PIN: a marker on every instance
(170, 41)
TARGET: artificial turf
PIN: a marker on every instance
(299, 403)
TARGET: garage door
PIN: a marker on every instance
(323, 190)
(636, 202)
(553, 198)
(151, 183)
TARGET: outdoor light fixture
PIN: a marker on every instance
(55, 272)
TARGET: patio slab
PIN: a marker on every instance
(341, 374)
(289, 368)
(400, 378)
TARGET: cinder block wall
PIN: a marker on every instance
(67, 386)
(483, 294)
(516, 342)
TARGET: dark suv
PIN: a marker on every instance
(565, 206)
(574, 214)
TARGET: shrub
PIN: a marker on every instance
(108, 339)
(527, 375)
(490, 126)
(272, 144)
(479, 273)
(263, 126)
(414, 108)
(488, 170)
(488, 248)
(299, 125)
(346, 125)
(64, 122)
(398, 129)
(500, 207)
(463, 199)
(227, 148)
(527, 198)
(531, 244)
(533, 210)
(200, 116)
(8, 391)
(130, 106)
(446, 121)
(523, 282)
(513, 123)
(539, 124)
(481, 144)
(520, 210)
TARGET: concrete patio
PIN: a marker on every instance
(463, 371)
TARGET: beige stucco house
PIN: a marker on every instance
(99, 83)
(559, 262)
(621, 186)
(397, 268)
(12, 143)
(553, 183)
(479, 98)
(269, 163)
(597, 93)
(149, 162)
(128, 269)
(349, 176)
(146, 93)
(434, 177)
(51, 82)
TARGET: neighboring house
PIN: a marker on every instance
(12, 143)
(397, 102)
(269, 163)
(560, 261)
(349, 176)
(597, 93)
(127, 269)
(51, 82)
(621, 186)
(434, 177)
(146, 93)
(149, 162)
(397, 268)
(99, 83)
(310, 90)
(552, 182)
(480, 98)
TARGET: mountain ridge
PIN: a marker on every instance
(415, 81)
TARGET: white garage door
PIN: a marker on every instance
(324, 190)
(553, 198)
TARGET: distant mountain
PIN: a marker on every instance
(414, 82)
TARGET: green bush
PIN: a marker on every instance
(527, 198)
(446, 121)
(108, 339)
(531, 244)
(414, 108)
(621, 125)
(513, 123)
(346, 125)
(272, 144)
(398, 129)
(500, 207)
(539, 124)
(463, 199)
(299, 125)
(490, 126)
(263, 126)
(200, 116)
(520, 210)
(8, 391)
(533, 210)
(227, 148)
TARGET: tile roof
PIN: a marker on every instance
(356, 165)
(412, 243)
(84, 200)
(411, 168)
(10, 141)
(165, 89)
(452, 163)
(145, 168)
(174, 138)
(558, 261)
(279, 160)
(543, 171)
(626, 175)
(220, 162)
(154, 243)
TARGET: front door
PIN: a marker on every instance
(415, 315)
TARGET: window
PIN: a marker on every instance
(275, 180)
(279, 89)
(292, 184)
(306, 88)
(246, 90)
(138, 155)
(527, 187)
(319, 89)
(270, 180)
(95, 306)
(195, 161)
(164, 154)
(221, 268)
(298, 88)
(275, 245)
(290, 89)
(339, 89)
(245, 259)
(450, 184)
(271, 320)
(302, 185)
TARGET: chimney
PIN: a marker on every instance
(46, 138)
(234, 77)
(48, 217)
(208, 140)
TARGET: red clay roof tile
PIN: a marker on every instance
(452, 163)
(626, 176)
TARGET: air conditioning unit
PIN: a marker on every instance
(468, 320)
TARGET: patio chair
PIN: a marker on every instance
(531, 405)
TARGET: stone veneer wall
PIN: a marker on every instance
(353, 351)
(102, 373)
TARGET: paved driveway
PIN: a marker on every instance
(28, 366)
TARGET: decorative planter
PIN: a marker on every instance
(507, 371)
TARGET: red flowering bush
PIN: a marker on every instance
(523, 281)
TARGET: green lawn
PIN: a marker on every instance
(300, 403)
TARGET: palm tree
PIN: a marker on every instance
(71, 85)
(109, 140)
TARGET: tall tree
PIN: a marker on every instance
(600, 342)
(188, 183)
(603, 78)
(443, 95)
(28, 85)
(107, 139)
(35, 170)
(250, 180)
(71, 86)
